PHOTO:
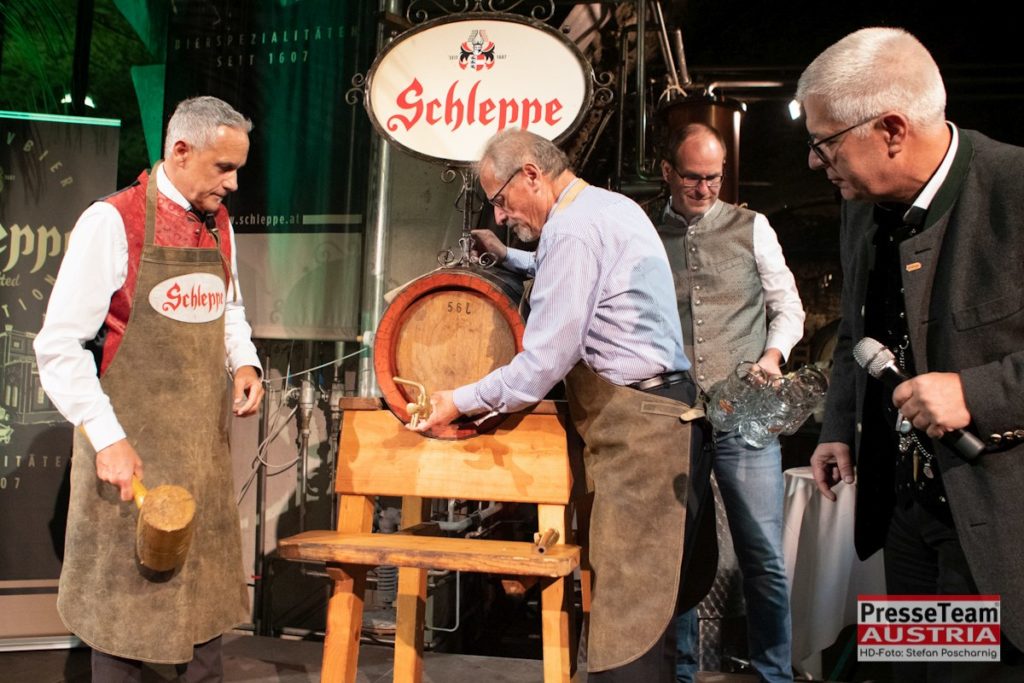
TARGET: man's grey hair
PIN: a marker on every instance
(507, 151)
(196, 120)
(872, 71)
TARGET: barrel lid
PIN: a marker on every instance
(445, 329)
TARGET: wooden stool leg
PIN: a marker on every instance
(555, 608)
(344, 623)
(411, 606)
(583, 508)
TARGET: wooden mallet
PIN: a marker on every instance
(164, 529)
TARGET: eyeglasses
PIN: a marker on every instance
(497, 200)
(692, 180)
(816, 146)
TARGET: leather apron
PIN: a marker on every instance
(637, 460)
(168, 389)
(638, 465)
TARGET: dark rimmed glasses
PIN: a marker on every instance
(816, 146)
(692, 180)
(497, 200)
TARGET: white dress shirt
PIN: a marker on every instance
(94, 268)
(924, 198)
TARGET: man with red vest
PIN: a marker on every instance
(144, 319)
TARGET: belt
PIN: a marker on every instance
(666, 379)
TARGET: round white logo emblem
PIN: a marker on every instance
(191, 298)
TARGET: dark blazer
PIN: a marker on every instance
(963, 281)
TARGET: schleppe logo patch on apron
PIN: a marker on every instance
(190, 298)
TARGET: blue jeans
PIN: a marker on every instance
(750, 480)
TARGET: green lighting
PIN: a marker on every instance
(60, 118)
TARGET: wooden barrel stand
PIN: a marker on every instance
(525, 460)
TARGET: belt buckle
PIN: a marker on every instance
(659, 381)
(649, 383)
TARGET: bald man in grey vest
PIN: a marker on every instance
(737, 301)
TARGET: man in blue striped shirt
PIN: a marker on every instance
(603, 317)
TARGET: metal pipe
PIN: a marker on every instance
(684, 73)
(375, 247)
(712, 87)
(641, 102)
(374, 262)
(458, 609)
(641, 87)
(451, 509)
(620, 111)
(666, 51)
(337, 392)
(470, 519)
(306, 402)
(261, 515)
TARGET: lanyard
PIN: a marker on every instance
(570, 195)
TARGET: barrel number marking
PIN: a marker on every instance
(459, 307)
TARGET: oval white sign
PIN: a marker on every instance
(190, 298)
(444, 88)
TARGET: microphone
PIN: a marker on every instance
(880, 363)
(209, 221)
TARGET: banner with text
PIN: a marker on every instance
(299, 211)
(51, 168)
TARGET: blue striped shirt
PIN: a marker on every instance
(603, 293)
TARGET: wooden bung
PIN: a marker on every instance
(447, 328)
(164, 530)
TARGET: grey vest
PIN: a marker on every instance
(718, 290)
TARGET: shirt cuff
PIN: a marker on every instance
(518, 260)
(784, 346)
(103, 430)
(242, 358)
(466, 401)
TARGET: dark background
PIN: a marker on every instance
(977, 48)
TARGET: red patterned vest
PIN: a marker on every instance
(175, 227)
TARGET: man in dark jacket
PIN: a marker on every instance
(931, 245)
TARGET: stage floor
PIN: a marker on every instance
(257, 659)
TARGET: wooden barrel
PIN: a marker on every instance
(448, 328)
